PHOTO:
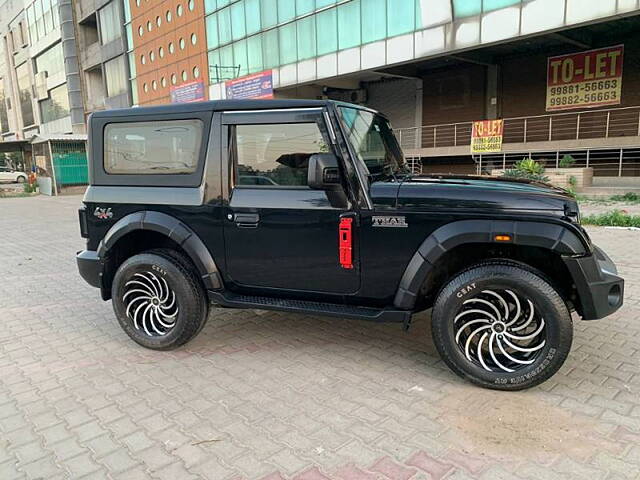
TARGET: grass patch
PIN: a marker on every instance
(616, 218)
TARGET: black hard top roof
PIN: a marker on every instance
(218, 105)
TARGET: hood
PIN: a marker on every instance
(475, 192)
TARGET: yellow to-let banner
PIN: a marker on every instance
(585, 80)
(486, 136)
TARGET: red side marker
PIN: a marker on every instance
(344, 243)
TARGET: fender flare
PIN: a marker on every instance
(532, 234)
(176, 231)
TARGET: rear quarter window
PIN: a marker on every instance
(168, 147)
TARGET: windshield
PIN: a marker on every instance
(374, 143)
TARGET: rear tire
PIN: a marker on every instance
(501, 325)
(21, 179)
(158, 299)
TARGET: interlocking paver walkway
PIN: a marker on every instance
(264, 395)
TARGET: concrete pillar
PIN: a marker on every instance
(70, 55)
(492, 110)
(419, 100)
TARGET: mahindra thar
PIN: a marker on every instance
(308, 206)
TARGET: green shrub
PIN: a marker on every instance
(567, 161)
(527, 169)
(616, 218)
(28, 188)
(627, 197)
(529, 165)
(515, 173)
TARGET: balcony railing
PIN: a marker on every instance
(594, 124)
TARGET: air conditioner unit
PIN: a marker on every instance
(41, 91)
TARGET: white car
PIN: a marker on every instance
(9, 175)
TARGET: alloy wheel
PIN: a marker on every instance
(151, 304)
(500, 330)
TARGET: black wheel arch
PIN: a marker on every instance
(160, 226)
(555, 239)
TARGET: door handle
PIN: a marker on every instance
(246, 220)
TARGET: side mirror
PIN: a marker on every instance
(324, 173)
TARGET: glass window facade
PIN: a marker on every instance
(56, 106)
(24, 90)
(116, 76)
(274, 33)
(51, 61)
(4, 116)
(42, 18)
(110, 23)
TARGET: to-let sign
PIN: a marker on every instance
(486, 136)
(585, 80)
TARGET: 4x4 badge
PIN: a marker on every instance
(103, 213)
(399, 222)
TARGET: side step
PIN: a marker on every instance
(234, 300)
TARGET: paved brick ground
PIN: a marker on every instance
(272, 396)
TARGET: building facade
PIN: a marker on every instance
(167, 49)
(434, 66)
(102, 47)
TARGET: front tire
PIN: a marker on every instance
(21, 179)
(158, 300)
(501, 325)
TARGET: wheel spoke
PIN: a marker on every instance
(513, 359)
(147, 290)
(475, 310)
(152, 313)
(133, 302)
(151, 283)
(469, 338)
(518, 308)
(135, 315)
(165, 325)
(524, 349)
(484, 302)
(472, 322)
(502, 301)
(480, 357)
(531, 314)
(166, 291)
(531, 335)
(144, 319)
(173, 301)
(157, 282)
(136, 290)
(493, 340)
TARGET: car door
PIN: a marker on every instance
(5, 174)
(279, 233)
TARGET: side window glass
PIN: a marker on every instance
(276, 155)
(152, 148)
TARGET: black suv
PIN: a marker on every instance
(308, 206)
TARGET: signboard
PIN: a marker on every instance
(257, 85)
(187, 92)
(486, 136)
(585, 80)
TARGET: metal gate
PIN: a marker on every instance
(69, 162)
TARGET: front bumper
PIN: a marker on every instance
(599, 287)
(90, 267)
